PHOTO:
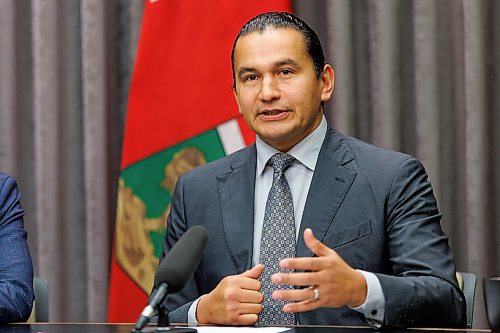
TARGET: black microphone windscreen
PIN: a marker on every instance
(182, 259)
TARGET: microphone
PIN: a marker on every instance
(175, 270)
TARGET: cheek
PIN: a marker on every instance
(246, 103)
(245, 109)
(302, 94)
(308, 100)
(248, 116)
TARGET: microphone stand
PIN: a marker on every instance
(164, 324)
(163, 317)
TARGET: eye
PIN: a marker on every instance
(285, 72)
(252, 77)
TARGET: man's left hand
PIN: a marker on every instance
(336, 283)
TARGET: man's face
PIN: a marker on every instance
(276, 87)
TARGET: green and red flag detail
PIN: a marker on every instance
(181, 114)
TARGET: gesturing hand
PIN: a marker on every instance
(337, 283)
(236, 300)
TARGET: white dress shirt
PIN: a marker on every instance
(299, 176)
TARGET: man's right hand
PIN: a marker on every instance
(236, 300)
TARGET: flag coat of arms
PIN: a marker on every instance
(181, 114)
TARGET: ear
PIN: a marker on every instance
(328, 81)
(236, 98)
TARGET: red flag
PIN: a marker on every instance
(181, 114)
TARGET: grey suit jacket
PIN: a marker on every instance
(375, 207)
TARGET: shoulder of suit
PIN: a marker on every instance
(368, 154)
(223, 165)
(6, 182)
(9, 193)
(4, 177)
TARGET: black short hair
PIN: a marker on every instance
(278, 20)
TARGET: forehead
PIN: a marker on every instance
(273, 44)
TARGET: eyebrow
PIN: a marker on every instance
(285, 62)
(244, 70)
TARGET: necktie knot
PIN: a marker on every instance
(281, 161)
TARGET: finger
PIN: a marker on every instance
(304, 263)
(294, 294)
(250, 308)
(246, 320)
(254, 272)
(296, 279)
(248, 283)
(303, 306)
(315, 245)
(245, 296)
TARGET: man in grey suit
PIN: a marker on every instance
(369, 246)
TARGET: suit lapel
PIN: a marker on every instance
(236, 193)
(329, 186)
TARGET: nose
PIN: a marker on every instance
(269, 90)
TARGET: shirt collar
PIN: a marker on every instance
(306, 151)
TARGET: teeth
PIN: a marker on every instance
(272, 113)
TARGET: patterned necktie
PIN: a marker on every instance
(278, 241)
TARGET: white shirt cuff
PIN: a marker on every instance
(192, 313)
(374, 306)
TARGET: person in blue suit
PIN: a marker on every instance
(16, 269)
(368, 245)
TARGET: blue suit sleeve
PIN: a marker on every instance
(16, 270)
